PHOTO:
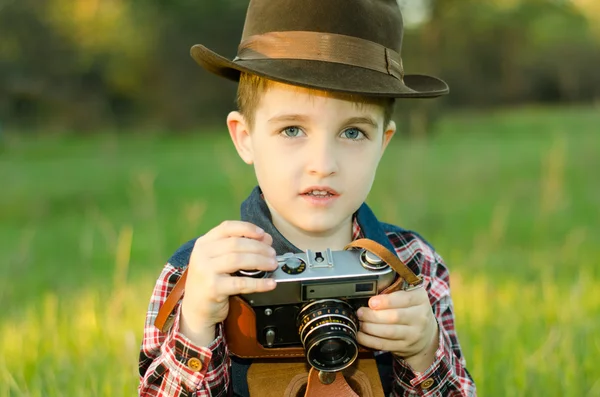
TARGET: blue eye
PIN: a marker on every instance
(291, 131)
(353, 133)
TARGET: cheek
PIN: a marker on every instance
(271, 166)
(363, 163)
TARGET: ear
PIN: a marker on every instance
(387, 135)
(240, 135)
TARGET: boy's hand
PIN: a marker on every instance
(224, 250)
(402, 323)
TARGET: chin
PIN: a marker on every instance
(317, 226)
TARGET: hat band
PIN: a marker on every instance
(326, 47)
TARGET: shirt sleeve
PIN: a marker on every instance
(448, 375)
(170, 364)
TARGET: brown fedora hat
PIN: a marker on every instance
(348, 46)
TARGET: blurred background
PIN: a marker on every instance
(113, 152)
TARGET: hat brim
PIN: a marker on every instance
(325, 76)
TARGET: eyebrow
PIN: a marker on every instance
(298, 118)
(363, 120)
(288, 117)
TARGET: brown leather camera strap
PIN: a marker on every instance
(404, 272)
(167, 308)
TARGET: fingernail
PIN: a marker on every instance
(272, 251)
(271, 283)
(274, 263)
(359, 312)
(374, 302)
(259, 230)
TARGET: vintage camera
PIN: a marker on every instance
(315, 302)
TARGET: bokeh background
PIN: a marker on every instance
(113, 152)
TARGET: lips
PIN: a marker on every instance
(320, 191)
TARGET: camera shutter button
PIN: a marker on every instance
(371, 261)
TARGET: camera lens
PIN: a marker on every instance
(333, 349)
(327, 330)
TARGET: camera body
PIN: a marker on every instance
(317, 292)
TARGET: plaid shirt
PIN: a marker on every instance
(171, 365)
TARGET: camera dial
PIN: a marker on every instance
(291, 264)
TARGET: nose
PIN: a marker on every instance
(321, 157)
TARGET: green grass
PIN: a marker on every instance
(510, 199)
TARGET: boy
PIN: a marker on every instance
(317, 81)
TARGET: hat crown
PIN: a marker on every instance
(379, 21)
(347, 46)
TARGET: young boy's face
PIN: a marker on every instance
(314, 155)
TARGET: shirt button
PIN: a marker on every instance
(427, 383)
(194, 364)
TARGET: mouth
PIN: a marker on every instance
(319, 191)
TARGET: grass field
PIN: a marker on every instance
(510, 199)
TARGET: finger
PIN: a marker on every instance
(239, 245)
(377, 343)
(235, 229)
(267, 239)
(234, 261)
(234, 285)
(385, 331)
(399, 299)
(387, 316)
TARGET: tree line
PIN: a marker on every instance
(88, 65)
